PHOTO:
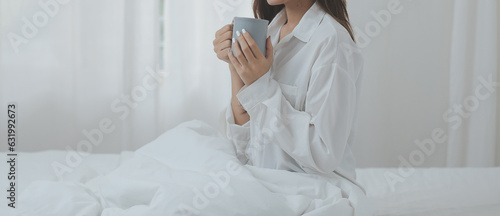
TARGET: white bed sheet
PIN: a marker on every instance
(168, 177)
(429, 191)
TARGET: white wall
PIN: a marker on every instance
(405, 89)
(498, 72)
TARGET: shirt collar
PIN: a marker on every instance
(307, 25)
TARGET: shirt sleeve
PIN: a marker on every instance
(317, 137)
(239, 135)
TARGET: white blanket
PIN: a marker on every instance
(192, 170)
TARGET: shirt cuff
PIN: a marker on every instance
(258, 91)
(239, 133)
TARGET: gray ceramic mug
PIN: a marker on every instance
(256, 27)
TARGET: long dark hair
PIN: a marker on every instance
(336, 8)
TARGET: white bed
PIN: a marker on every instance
(428, 191)
(432, 191)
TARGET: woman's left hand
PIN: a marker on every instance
(250, 62)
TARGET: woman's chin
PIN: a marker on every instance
(276, 2)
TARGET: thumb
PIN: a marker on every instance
(270, 49)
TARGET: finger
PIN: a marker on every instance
(244, 46)
(224, 45)
(270, 49)
(254, 48)
(224, 29)
(232, 59)
(226, 36)
(239, 54)
(225, 54)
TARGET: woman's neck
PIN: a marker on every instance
(295, 10)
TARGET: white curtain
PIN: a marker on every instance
(85, 56)
(198, 84)
(474, 62)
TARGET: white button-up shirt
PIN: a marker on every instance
(303, 111)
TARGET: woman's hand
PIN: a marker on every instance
(222, 42)
(250, 63)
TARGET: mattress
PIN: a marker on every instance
(425, 191)
(433, 191)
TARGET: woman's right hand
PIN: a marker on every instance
(222, 42)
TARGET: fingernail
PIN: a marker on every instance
(238, 33)
(244, 31)
(234, 40)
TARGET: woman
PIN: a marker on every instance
(295, 107)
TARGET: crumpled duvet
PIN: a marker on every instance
(192, 170)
